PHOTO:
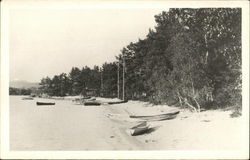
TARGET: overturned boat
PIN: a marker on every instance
(45, 103)
(92, 103)
(139, 129)
(159, 117)
(119, 102)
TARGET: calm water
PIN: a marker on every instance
(64, 126)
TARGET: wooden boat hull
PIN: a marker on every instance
(44, 103)
(118, 102)
(159, 117)
(139, 129)
(92, 104)
(27, 98)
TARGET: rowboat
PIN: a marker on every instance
(27, 98)
(159, 117)
(119, 102)
(92, 99)
(44, 103)
(90, 103)
(139, 129)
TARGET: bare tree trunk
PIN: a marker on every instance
(205, 37)
(186, 102)
(198, 105)
(180, 101)
(192, 87)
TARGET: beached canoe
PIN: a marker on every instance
(119, 102)
(90, 103)
(27, 98)
(159, 117)
(139, 129)
(44, 103)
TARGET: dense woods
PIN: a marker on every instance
(191, 58)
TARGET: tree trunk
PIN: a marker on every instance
(198, 105)
(205, 37)
(180, 101)
(186, 102)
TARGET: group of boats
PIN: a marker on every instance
(144, 127)
(38, 103)
(27, 98)
(141, 128)
(91, 101)
(86, 101)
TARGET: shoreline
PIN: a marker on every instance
(108, 125)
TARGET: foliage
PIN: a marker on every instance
(19, 91)
(191, 58)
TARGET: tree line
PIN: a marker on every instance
(191, 58)
(23, 91)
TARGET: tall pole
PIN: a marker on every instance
(118, 80)
(101, 84)
(123, 78)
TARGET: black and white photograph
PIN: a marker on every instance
(113, 79)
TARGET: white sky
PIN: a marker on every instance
(45, 42)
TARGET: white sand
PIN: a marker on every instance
(66, 126)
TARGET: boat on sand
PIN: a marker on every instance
(92, 103)
(139, 129)
(119, 102)
(159, 117)
(44, 103)
(27, 98)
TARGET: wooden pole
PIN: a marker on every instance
(101, 84)
(118, 80)
(123, 86)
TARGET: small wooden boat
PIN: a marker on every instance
(90, 103)
(27, 98)
(159, 117)
(44, 103)
(139, 129)
(119, 102)
(92, 99)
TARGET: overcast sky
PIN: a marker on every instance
(45, 42)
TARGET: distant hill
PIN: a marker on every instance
(23, 84)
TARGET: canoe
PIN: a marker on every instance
(142, 124)
(44, 103)
(139, 129)
(159, 117)
(92, 104)
(27, 98)
(92, 99)
(119, 102)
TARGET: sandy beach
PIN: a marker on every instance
(70, 127)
